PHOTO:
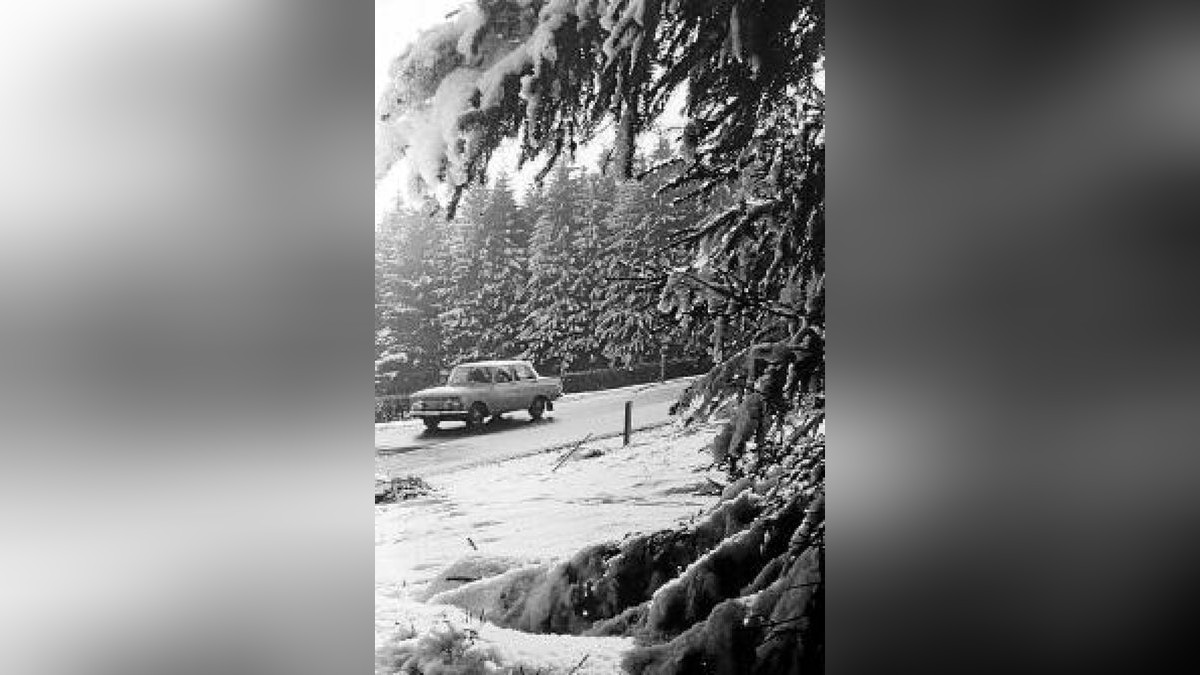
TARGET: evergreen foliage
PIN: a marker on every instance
(464, 313)
(411, 254)
(635, 265)
(544, 280)
(483, 315)
(550, 331)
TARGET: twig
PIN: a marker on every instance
(578, 665)
(802, 585)
(571, 452)
(648, 280)
(466, 579)
(661, 165)
(472, 544)
(744, 297)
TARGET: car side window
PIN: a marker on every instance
(480, 375)
(503, 375)
(526, 373)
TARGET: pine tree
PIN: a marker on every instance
(501, 252)
(552, 298)
(629, 324)
(410, 250)
(387, 282)
(584, 276)
(462, 314)
(635, 267)
(481, 304)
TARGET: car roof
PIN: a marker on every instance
(493, 364)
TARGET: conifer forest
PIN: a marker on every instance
(569, 275)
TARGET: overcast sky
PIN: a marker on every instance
(397, 22)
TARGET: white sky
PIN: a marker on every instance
(397, 22)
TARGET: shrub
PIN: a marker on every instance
(446, 649)
(641, 373)
(390, 408)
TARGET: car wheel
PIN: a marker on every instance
(430, 423)
(475, 415)
(537, 408)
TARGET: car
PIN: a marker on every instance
(481, 389)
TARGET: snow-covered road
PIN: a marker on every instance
(403, 448)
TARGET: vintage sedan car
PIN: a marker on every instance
(475, 391)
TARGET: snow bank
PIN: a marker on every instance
(520, 512)
(439, 639)
(469, 569)
(492, 598)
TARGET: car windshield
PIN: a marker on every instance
(469, 375)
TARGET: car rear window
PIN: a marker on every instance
(468, 374)
(526, 373)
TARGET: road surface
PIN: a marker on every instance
(403, 448)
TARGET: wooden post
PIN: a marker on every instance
(628, 420)
(662, 364)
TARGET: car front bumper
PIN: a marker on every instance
(452, 415)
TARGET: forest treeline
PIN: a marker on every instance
(569, 275)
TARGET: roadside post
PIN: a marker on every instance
(628, 420)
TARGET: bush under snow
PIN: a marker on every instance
(739, 587)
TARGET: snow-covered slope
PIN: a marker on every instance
(525, 511)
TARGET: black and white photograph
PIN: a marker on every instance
(587, 299)
(599, 337)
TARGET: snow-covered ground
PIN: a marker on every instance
(526, 511)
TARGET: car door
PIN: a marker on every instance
(478, 386)
(505, 389)
(527, 384)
